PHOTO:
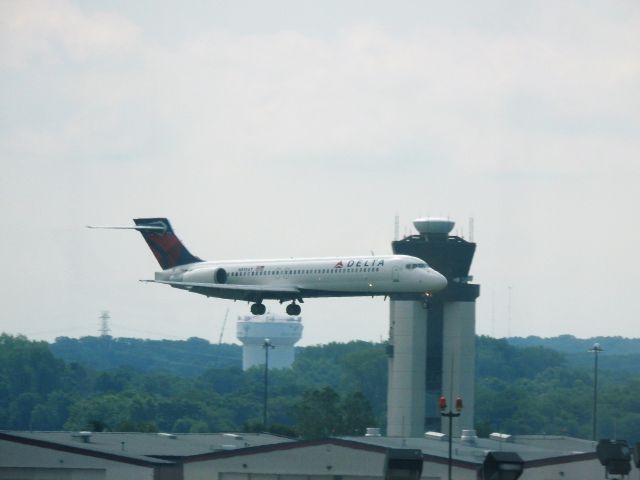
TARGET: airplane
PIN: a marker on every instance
(286, 280)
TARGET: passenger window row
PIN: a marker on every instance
(306, 272)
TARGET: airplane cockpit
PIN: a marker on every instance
(411, 266)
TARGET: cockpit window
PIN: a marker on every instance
(411, 266)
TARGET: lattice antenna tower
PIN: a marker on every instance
(104, 324)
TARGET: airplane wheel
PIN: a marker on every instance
(258, 309)
(293, 309)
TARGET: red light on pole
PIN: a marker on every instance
(459, 404)
(442, 403)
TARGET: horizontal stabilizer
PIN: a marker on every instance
(139, 228)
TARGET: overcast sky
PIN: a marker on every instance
(301, 128)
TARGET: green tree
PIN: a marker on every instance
(52, 414)
(365, 370)
(28, 366)
(356, 414)
(318, 413)
(110, 409)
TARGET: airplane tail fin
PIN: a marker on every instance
(166, 247)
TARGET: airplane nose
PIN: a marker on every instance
(439, 281)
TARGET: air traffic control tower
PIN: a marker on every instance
(432, 344)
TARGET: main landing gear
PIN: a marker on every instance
(258, 309)
(293, 309)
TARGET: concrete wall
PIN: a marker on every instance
(32, 473)
(323, 461)
(586, 470)
(458, 362)
(42, 463)
(406, 391)
(406, 396)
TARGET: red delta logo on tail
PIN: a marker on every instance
(166, 247)
(339, 264)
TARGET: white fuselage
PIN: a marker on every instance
(285, 280)
(330, 276)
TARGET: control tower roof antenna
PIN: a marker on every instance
(396, 230)
(104, 323)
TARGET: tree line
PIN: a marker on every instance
(333, 389)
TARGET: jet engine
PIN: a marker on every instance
(206, 275)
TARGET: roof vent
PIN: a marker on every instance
(469, 437)
(501, 437)
(372, 432)
(84, 435)
(172, 436)
(435, 435)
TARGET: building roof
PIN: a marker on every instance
(135, 447)
(533, 449)
(162, 448)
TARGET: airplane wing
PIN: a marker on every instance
(249, 293)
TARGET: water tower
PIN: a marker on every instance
(282, 331)
(432, 344)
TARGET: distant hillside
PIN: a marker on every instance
(182, 357)
(571, 344)
(193, 356)
(620, 353)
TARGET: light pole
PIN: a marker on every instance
(595, 350)
(267, 345)
(442, 403)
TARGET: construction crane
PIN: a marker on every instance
(224, 324)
